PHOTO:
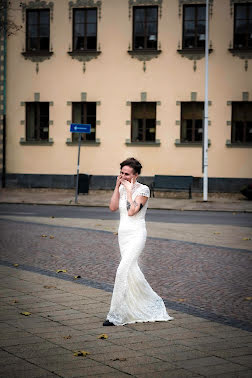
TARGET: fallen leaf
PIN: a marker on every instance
(81, 353)
(43, 236)
(246, 239)
(61, 271)
(115, 233)
(248, 299)
(15, 265)
(15, 301)
(103, 336)
(98, 224)
(216, 233)
(67, 337)
(120, 359)
(52, 216)
(51, 237)
(76, 277)
(181, 300)
(49, 287)
(25, 313)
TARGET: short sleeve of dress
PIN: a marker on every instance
(144, 191)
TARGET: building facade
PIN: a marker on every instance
(134, 70)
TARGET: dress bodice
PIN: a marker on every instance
(138, 190)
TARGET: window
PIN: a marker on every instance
(145, 28)
(194, 26)
(37, 121)
(38, 30)
(192, 121)
(243, 26)
(84, 113)
(143, 121)
(84, 29)
(241, 122)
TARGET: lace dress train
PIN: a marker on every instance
(133, 299)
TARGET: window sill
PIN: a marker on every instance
(36, 142)
(242, 53)
(193, 53)
(143, 144)
(178, 143)
(144, 54)
(84, 55)
(96, 142)
(37, 56)
(238, 144)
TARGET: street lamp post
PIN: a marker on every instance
(205, 134)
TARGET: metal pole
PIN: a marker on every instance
(205, 134)
(78, 168)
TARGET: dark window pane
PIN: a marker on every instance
(151, 28)
(79, 16)
(44, 43)
(189, 13)
(91, 29)
(32, 17)
(139, 28)
(249, 132)
(139, 14)
(151, 14)
(241, 12)
(250, 11)
(150, 130)
(45, 17)
(189, 28)
(201, 14)
(91, 15)
(139, 42)
(198, 130)
(79, 30)
(201, 27)
(44, 31)
(241, 26)
(32, 31)
(91, 43)
(79, 43)
(240, 40)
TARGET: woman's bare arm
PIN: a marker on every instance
(133, 207)
(114, 202)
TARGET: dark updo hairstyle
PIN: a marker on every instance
(133, 163)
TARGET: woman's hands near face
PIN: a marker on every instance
(128, 185)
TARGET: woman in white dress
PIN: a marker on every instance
(133, 299)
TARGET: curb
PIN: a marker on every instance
(99, 205)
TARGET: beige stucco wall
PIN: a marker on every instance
(115, 78)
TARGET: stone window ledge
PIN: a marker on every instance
(38, 54)
(178, 143)
(243, 53)
(144, 54)
(36, 142)
(193, 53)
(143, 144)
(238, 144)
(96, 142)
(84, 55)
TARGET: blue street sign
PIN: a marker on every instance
(80, 128)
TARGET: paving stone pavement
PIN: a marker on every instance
(205, 282)
(66, 317)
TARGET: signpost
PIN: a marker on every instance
(79, 128)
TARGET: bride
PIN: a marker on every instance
(133, 299)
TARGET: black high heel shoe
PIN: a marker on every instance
(107, 323)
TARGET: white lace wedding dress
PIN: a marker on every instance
(133, 299)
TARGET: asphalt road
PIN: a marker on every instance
(164, 216)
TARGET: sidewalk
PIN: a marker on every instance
(216, 202)
(65, 317)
